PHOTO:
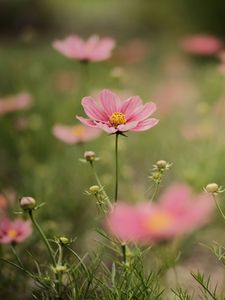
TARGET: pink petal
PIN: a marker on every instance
(109, 101)
(64, 133)
(92, 110)
(106, 127)
(143, 113)
(130, 105)
(127, 126)
(145, 125)
(103, 50)
(86, 122)
(72, 47)
(125, 223)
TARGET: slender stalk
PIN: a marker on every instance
(45, 240)
(100, 184)
(123, 246)
(16, 255)
(218, 206)
(155, 191)
(116, 165)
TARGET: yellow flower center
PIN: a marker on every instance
(117, 118)
(12, 233)
(159, 221)
(78, 130)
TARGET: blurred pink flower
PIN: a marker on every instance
(75, 134)
(14, 103)
(134, 51)
(177, 212)
(94, 49)
(113, 115)
(201, 44)
(14, 231)
(198, 131)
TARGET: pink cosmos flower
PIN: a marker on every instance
(15, 103)
(94, 49)
(113, 115)
(201, 44)
(14, 231)
(177, 212)
(75, 134)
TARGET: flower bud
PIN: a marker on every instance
(161, 164)
(59, 269)
(89, 155)
(94, 189)
(27, 203)
(63, 240)
(212, 188)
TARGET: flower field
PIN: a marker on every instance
(112, 165)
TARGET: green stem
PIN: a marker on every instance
(17, 257)
(218, 206)
(100, 184)
(123, 246)
(45, 240)
(116, 162)
(155, 191)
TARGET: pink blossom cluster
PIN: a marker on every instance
(177, 212)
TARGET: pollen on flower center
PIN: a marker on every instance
(117, 118)
(159, 221)
(12, 233)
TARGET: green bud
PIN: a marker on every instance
(89, 155)
(27, 203)
(161, 164)
(94, 189)
(60, 269)
(64, 240)
(212, 188)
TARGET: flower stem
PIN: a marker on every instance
(45, 240)
(155, 192)
(123, 246)
(17, 257)
(218, 206)
(106, 198)
(116, 162)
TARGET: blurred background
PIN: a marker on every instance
(149, 60)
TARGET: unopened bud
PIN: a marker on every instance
(161, 164)
(27, 203)
(94, 189)
(212, 188)
(64, 240)
(60, 269)
(89, 155)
